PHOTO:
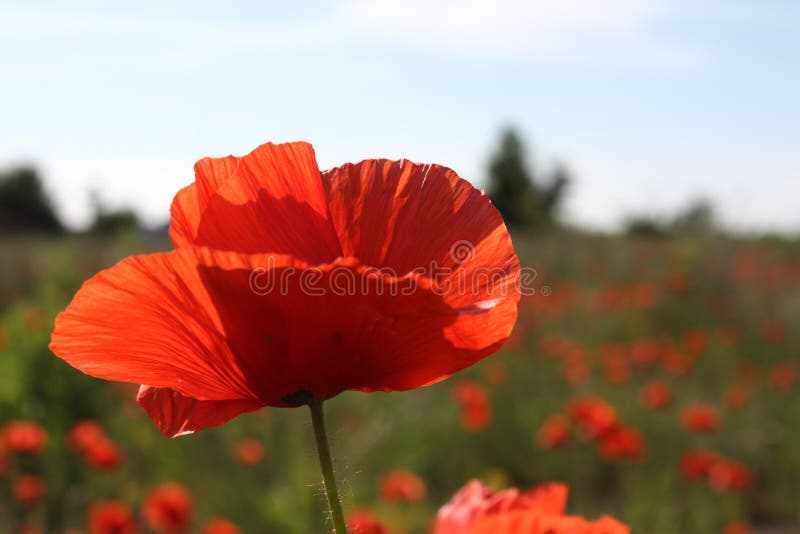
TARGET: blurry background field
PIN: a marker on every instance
(619, 312)
(644, 153)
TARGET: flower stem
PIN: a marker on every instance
(325, 463)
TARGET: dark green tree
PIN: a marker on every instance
(24, 205)
(111, 221)
(514, 190)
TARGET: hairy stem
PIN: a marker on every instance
(325, 463)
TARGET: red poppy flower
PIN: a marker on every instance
(476, 409)
(249, 452)
(729, 475)
(737, 528)
(554, 432)
(168, 508)
(111, 517)
(695, 341)
(290, 286)
(700, 418)
(400, 485)
(478, 510)
(736, 395)
(362, 521)
(84, 434)
(23, 437)
(696, 464)
(28, 489)
(220, 526)
(782, 376)
(622, 442)
(103, 454)
(656, 395)
(594, 415)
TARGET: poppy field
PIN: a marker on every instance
(656, 378)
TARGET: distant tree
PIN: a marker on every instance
(514, 189)
(114, 222)
(646, 226)
(697, 218)
(109, 222)
(24, 205)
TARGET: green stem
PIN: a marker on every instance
(325, 463)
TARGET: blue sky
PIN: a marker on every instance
(649, 102)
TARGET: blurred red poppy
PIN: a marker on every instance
(782, 376)
(736, 395)
(729, 475)
(111, 517)
(476, 409)
(84, 434)
(23, 437)
(220, 526)
(594, 415)
(168, 508)
(554, 432)
(737, 528)
(700, 418)
(249, 451)
(358, 307)
(400, 485)
(362, 521)
(103, 454)
(28, 489)
(656, 395)
(478, 510)
(696, 464)
(621, 443)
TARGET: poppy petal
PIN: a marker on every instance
(270, 200)
(150, 320)
(175, 414)
(407, 217)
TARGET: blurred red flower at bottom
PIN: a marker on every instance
(220, 526)
(361, 521)
(737, 528)
(111, 517)
(401, 485)
(28, 489)
(168, 508)
(478, 510)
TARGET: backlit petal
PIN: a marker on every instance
(270, 200)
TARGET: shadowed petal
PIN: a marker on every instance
(175, 414)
